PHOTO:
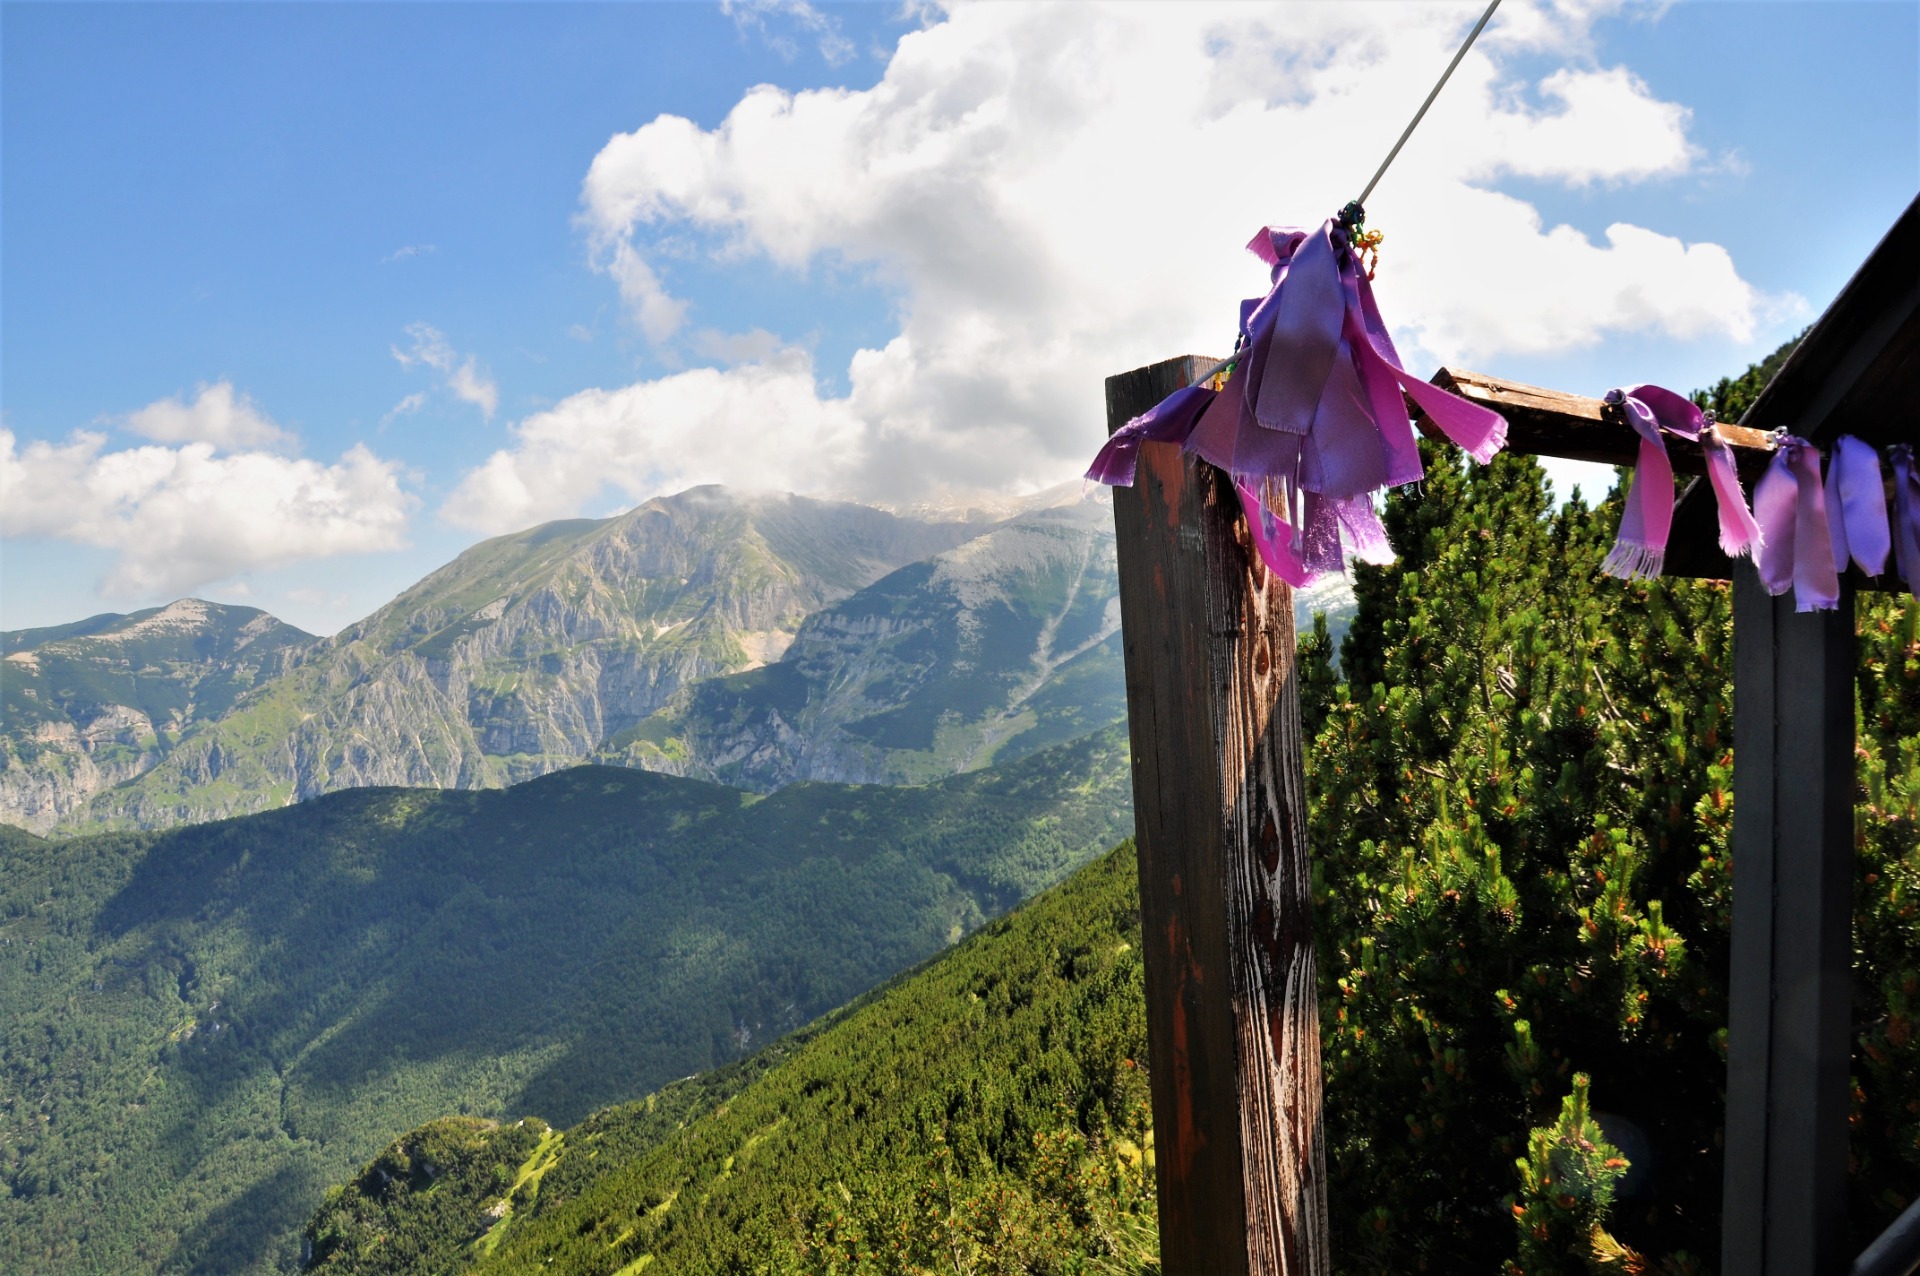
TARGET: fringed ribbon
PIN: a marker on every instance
(1906, 515)
(1313, 420)
(1857, 496)
(1796, 550)
(1641, 547)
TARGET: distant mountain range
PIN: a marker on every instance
(751, 639)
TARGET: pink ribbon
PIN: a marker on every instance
(1641, 547)
(1796, 550)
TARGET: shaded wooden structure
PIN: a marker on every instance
(1220, 808)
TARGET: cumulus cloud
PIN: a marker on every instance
(1049, 193)
(757, 425)
(218, 415)
(464, 377)
(182, 517)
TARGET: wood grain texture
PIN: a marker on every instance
(1789, 989)
(1220, 810)
(1553, 423)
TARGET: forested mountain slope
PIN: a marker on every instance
(987, 1114)
(526, 652)
(86, 706)
(201, 1028)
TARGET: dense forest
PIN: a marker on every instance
(988, 1114)
(1520, 776)
(200, 1029)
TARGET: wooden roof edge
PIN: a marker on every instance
(1850, 334)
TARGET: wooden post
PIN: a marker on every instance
(1219, 790)
(1789, 999)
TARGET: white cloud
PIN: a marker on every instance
(410, 404)
(758, 425)
(218, 415)
(1049, 193)
(759, 16)
(464, 377)
(409, 250)
(756, 345)
(183, 517)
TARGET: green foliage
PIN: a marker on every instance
(1504, 799)
(200, 1029)
(1520, 800)
(414, 1209)
(1567, 1182)
(987, 1114)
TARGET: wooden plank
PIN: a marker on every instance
(1220, 810)
(1553, 423)
(1788, 1015)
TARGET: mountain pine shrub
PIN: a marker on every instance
(1521, 794)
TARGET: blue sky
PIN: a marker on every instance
(332, 291)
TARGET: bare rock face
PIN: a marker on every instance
(97, 704)
(524, 654)
(989, 651)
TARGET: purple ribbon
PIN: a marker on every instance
(1641, 547)
(1854, 488)
(1796, 549)
(1313, 420)
(1906, 515)
(1169, 421)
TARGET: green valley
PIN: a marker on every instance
(201, 1028)
(986, 1114)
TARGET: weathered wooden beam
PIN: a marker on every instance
(1790, 979)
(1220, 812)
(1572, 426)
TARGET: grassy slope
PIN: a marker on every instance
(201, 1028)
(986, 1113)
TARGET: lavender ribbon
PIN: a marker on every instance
(1313, 420)
(1796, 550)
(1855, 490)
(1641, 546)
(1906, 515)
(1169, 421)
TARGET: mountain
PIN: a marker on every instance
(749, 639)
(91, 705)
(1004, 645)
(200, 1028)
(527, 651)
(987, 1113)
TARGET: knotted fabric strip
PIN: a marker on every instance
(1641, 547)
(1313, 420)
(1796, 550)
(1857, 507)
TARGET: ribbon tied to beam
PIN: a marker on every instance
(1312, 420)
